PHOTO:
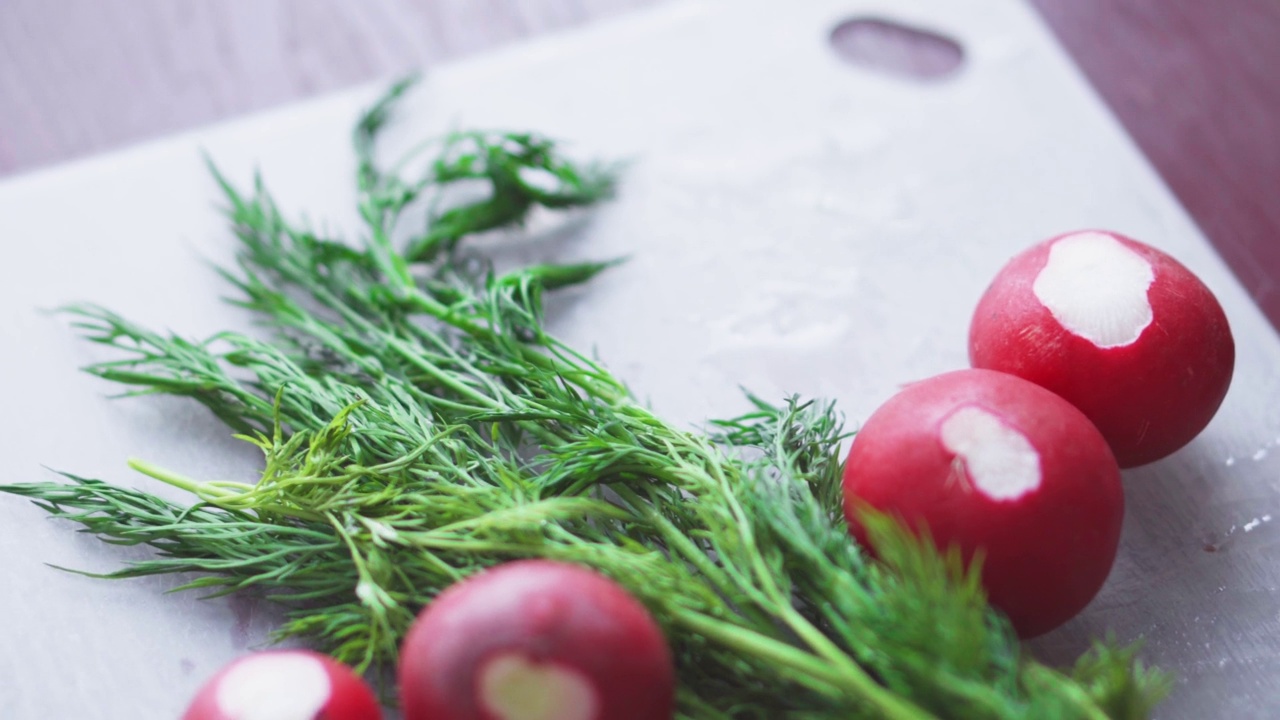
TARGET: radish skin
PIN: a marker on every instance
(536, 640)
(991, 463)
(1119, 329)
(284, 685)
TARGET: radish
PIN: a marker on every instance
(1121, 330)
(536, 640)
(285, 685)
(988, 462)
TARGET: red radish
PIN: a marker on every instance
(536, 640)
(988, 461)
(1121, 330)
(285, 685)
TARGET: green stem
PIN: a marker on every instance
(802, 667)
(1035, 674)
(220, 496)
(680, 544)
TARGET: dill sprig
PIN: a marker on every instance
(418, 423)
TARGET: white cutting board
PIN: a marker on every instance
(794, 224)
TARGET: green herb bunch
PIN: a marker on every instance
(419, 424)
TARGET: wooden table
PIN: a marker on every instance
(1196, 83)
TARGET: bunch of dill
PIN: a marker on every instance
(419, 424)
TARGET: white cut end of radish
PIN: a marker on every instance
(1000, 461)
(1096, 288)
(274, 686)
(514, 688)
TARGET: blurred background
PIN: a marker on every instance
(1196, 83)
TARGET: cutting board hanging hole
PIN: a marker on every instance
(892, 48)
